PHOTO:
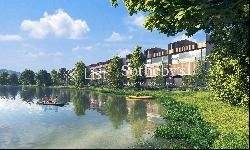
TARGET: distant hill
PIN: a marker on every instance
(10, 72)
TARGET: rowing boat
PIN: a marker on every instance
(54, 104)
(139, 97)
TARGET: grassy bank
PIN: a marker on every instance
(204, 123)
(194, 120)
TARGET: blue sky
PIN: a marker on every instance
(50, 34)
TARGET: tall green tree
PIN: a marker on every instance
(78, 77)
(27, 77)
(13, 79)
(138, 59)
(227, 23)
(4, 78)
(62, 74)
(43, 78)
(69, 77)
(188, 80)
(160, 79)
(201, 75)
(115, 75)
(54, 77)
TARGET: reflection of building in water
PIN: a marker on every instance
(153, 111)
(143, 116)
(97, 104)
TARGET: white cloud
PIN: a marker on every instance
(56, 54)
(123, 52)
(183, 37)
(118, 37)
(59, 24)
(136, 20)
(40, 54)
(79, 48)
(8, 37)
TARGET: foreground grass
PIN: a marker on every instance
(194, 120)
(231, 123)
(222, 116)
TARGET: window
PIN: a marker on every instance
(194, 55)
(163, 59)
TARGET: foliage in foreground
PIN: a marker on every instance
(185, 123)
(186, 127)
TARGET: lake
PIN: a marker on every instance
(88, 120)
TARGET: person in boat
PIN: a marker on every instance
(45, 99)
(51, 101)
(56, 99)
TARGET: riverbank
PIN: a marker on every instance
(195, 118)
(202, 121)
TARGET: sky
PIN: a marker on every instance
(51, 34)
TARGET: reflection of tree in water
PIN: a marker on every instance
(101, 108)
(64, 95)
(138, 118)
(116, 110)
(80, 101)
(54, 93)
(3, 92)
(27, 94)
(93, 95)
(8, 91)
(41, 92)
(13, 91)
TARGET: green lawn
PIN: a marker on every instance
(232, 123)
(224, 117)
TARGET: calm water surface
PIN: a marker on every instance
(89, 120)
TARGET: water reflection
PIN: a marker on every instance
(98, 102)
(81, 102)
(116, 110)
(28, 94)
(40, 92)
(8, 92)
(138, 116)
(49, 108)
